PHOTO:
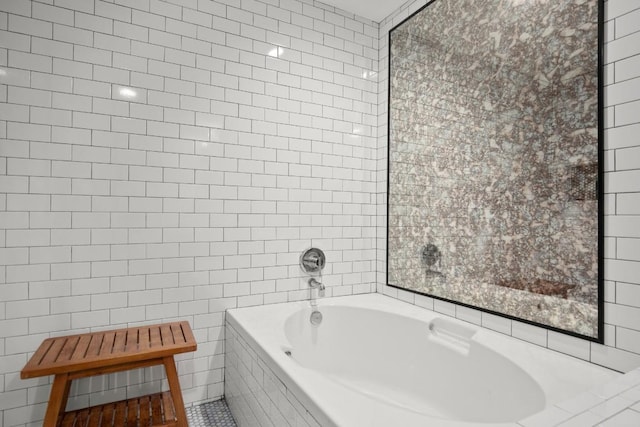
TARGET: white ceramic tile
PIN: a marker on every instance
(622, 270)
(580, 403)
(22, 238)
(94, 23)
(34, 27)
(628, 158)
(39, 307)
(628, 249)
(628, 294)
(627, 68)
(615, 9)
(496, 323)
(530, 333)
(26, 273)
(19, 8)
(582, 420)
(627, 417)
(30, 61)
(624, 113)
(14, 184)
(620, 136)
(14, 220)
(52, 48)
(46, 185)
(628, 203)
(77, 36)
(469, 315)
(19, 95)
(550, 416)
(622, 315)
(611, 407)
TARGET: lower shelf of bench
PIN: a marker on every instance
(145, 411)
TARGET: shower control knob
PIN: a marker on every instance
(312, 261)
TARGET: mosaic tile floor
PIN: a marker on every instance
(211, 414)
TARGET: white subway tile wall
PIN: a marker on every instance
(171, 159)
(622, 200)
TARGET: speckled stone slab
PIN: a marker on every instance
(493, 157)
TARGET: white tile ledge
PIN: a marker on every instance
(615, 404)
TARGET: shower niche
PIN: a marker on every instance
(495, 159)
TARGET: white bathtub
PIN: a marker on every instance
(376, 361)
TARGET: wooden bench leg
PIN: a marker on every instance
(57, 399)
(176, 392)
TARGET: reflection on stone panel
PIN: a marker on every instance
(493, 157)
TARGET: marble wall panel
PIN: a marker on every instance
(493, 157)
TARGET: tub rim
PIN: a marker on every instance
(279, 361)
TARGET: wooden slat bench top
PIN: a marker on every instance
(76, 356)
(75, 353)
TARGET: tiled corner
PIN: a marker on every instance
(255, 394)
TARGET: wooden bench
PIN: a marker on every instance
(83, 355)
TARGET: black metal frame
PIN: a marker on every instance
(600, 337)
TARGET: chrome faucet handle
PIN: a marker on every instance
(312, 261)
(311, 264)
(313, 283)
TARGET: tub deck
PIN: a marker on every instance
(312, 391)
